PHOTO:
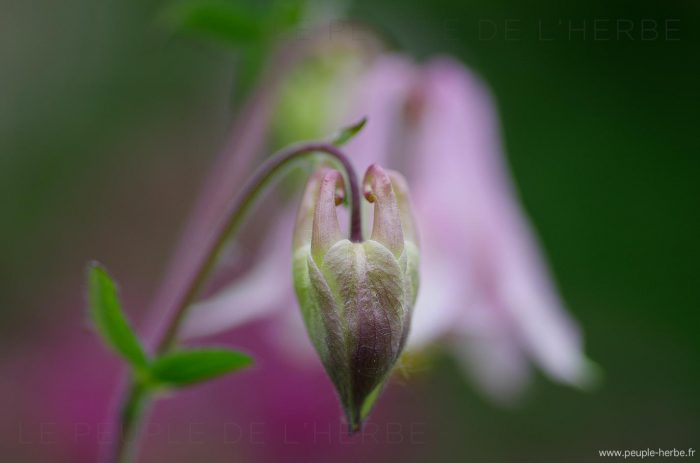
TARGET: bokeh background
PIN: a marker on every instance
(108, 124)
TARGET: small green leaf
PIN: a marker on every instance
(186, 367)
(217, 19)
(348, 133)
(107, 315)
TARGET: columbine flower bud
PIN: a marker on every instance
(356, 298)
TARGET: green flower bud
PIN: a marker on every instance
(356, 298)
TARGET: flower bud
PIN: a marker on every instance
(356, 298)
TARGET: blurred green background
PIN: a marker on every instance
(108, 124)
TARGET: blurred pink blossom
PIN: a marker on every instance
(485, 286)
(485, 290)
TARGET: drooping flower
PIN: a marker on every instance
(356, 298)
(486, 292)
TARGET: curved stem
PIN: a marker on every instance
(136, 398)
(241, 206)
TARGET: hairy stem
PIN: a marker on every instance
(136, 397)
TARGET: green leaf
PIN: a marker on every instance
(283, 16)
(348, 133)
(216, 19)
(186, 367)
(107, 315)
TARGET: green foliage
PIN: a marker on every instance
(225, 21)
(233, 22)
(252, 32)
(187, 367)
(283, 16)
(348, 133)
(176, 369)
(109, 319)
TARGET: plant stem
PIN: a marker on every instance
(241, 206)
(137, 397)
(136, 401)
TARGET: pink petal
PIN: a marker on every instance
(464, 192)
(262, 291)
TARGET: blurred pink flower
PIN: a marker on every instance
(485, 291)
(484, 284)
